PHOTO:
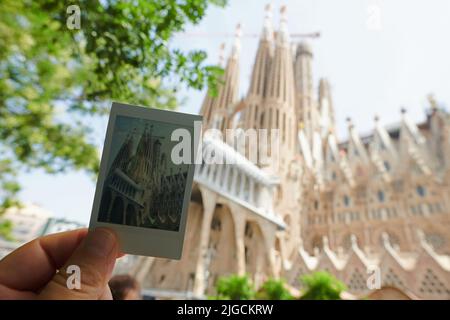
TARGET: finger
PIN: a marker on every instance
(34, 264)
(95, 257)
(106, 295)
(11, 294)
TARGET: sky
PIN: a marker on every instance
(378, 55)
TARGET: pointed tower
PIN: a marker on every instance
(140, 163)
(382, 151)
(440, 137)
(332, 167)
(123, 157)
(217, 110)
(414, 152)
(306, 108)
(326, 110)
(258, 82)
(208, 102)
(357, 156)
(279, 106)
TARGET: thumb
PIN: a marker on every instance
(95, 259)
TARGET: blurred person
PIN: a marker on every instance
(40, 269)
(125, 287)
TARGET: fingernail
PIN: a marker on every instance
(100, 242)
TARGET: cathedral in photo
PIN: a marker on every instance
(378, 202)
(143, 188)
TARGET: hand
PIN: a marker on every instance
(37, 270)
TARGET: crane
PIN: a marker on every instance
(312, 35)
(238, 32)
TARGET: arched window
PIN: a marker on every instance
(421, 190)
(216, 224)
(387, 165)
(380, 195)
(248, 230)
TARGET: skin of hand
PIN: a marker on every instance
(37, 270)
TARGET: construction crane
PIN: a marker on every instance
(312, 35)
(238, 32)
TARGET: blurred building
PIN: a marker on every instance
(54, 225)
(373, 203)
(28, 223)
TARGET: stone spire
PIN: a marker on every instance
(258, 82)
(208, 101)
(413, 147)
(267, 33)
(139, 164)
(326, 110)
(358, 159)
(222, 54)
(124, 155)
(263, 57)
(221, 106)
(283, 33)
(303, 69)
(279, 106)
(280, 86)
(306, 108)
(236, 49)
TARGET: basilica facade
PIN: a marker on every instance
(373, 203)
(140, 190)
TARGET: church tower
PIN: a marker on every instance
(306, 110)
(217, 110)
(253, 116)
(326, 110)
(279, 107)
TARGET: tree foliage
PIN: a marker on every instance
(274, 289)
(234, 287)
(52, 78)
(321, 285)
(6, 230)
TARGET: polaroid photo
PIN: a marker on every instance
(145, 179)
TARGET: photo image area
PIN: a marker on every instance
(143, 187)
